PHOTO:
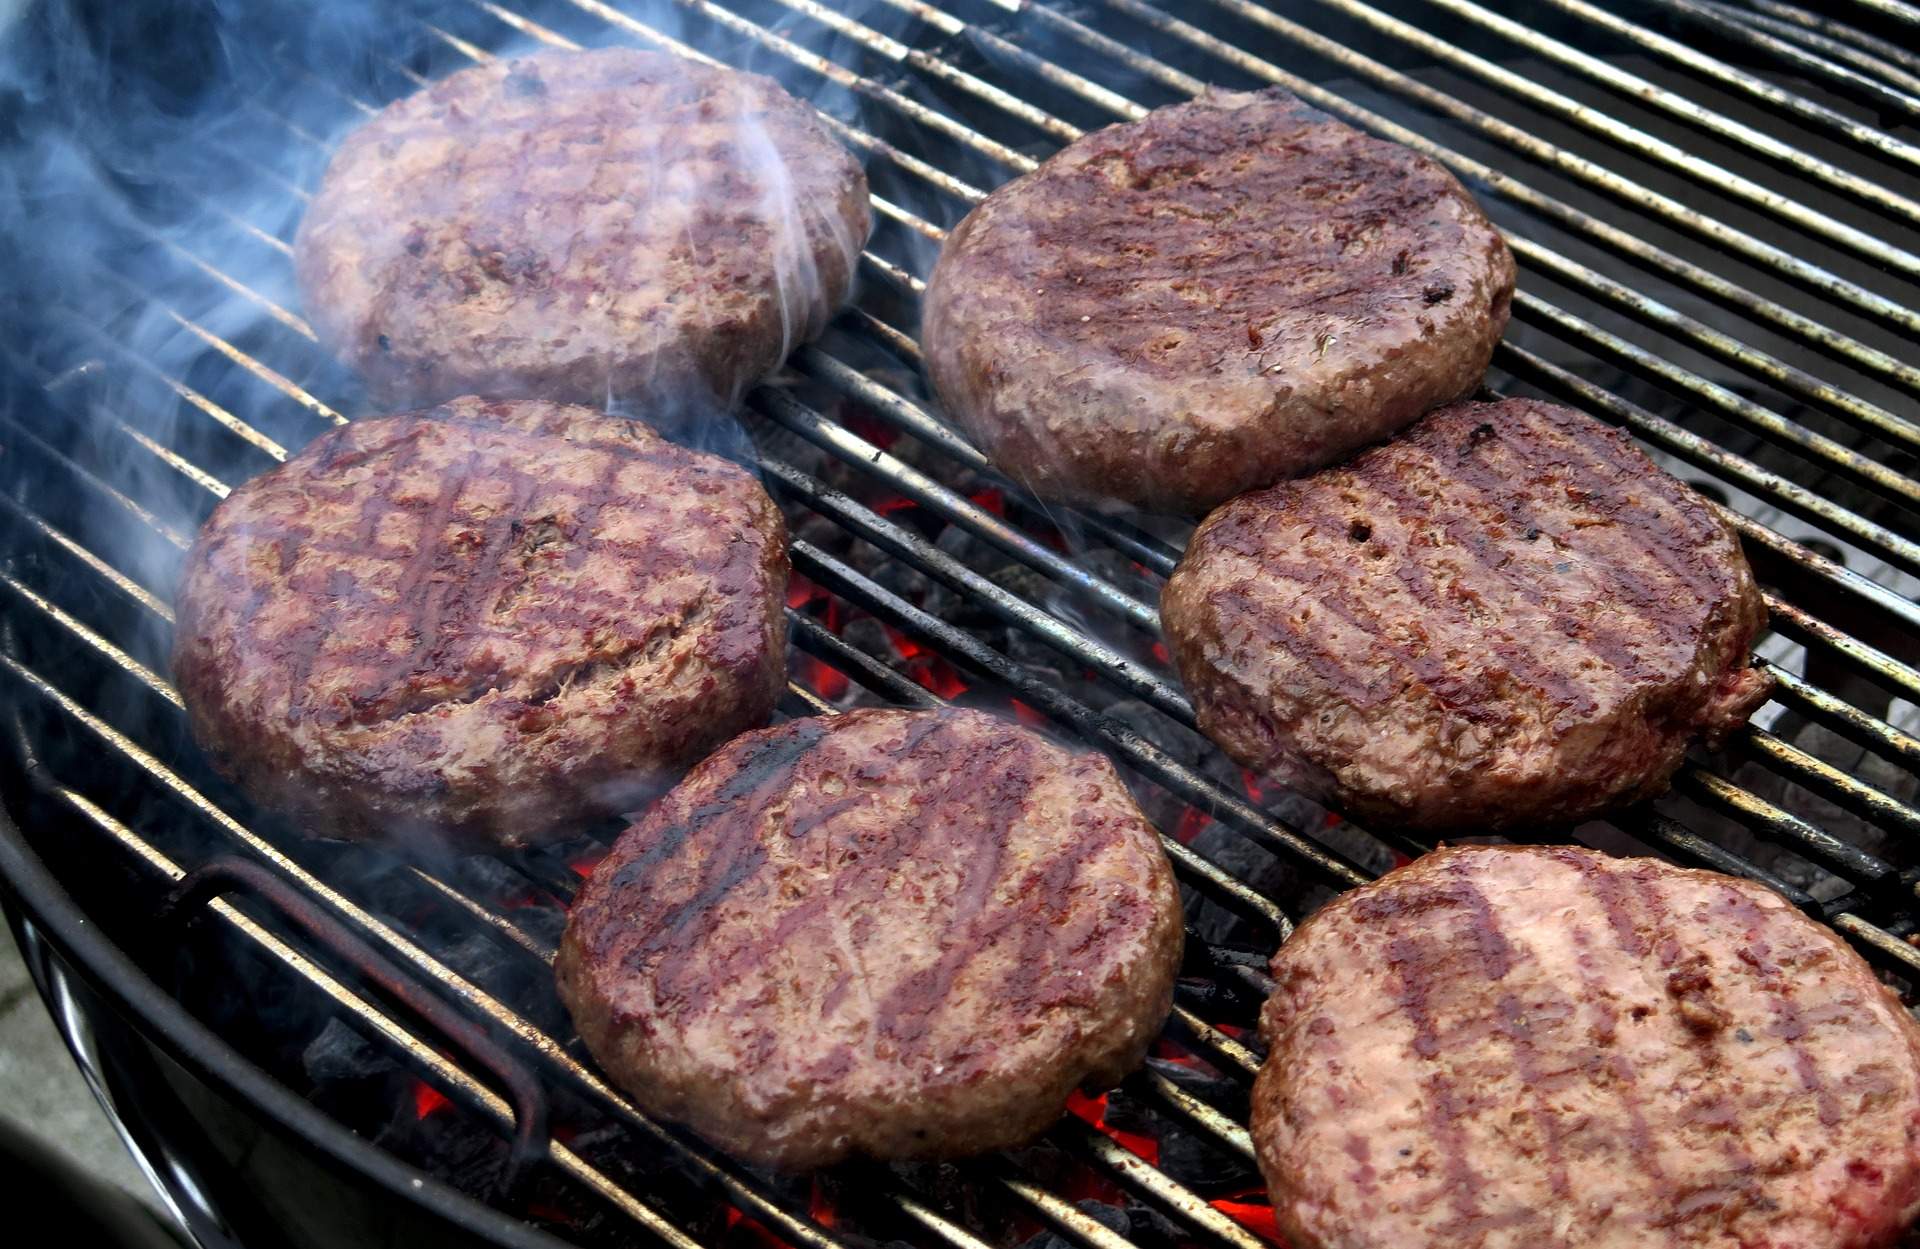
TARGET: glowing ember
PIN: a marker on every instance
(893, 503)
(1027, 715)
(1251, 784)
(823, 678)
(820, 1205)
(1160, 653)
(938, 675)
(874, 431)
(1094, 1111)
(991, 499)
(1192, 822)
(588, 859)
(744, 1230)
(801, 591)
(427, 1100)
(1251, 1211)
(903, 646)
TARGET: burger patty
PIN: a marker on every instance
(489, 621)
(1507, 617)
(1511, 1047)
(580, 226)
(1221, 295)
(899, 934)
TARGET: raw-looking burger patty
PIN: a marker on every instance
(1507, 617)
(898, 934)
(488, 621)
(582, 226)
(1531, 1047)
(1221, 295)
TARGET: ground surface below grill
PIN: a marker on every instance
(42, 1092)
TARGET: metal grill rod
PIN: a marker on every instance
(1643, 91)
(1836, 29)
(1637, 141)
(1753, 86)
(1849, 82)
(1805, 34)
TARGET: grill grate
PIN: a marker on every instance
(1756, 346)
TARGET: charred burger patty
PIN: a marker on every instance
(582, 226)
(1223, 294)
(1507, 1047)
(887, 933)
(1506, 617)
(488, 621)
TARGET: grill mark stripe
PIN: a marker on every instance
(1473, 540)
(1491, 484)
(1057, 878)
(1498, 958)
(1788, 1025)
(805, 824)
(1668, 949)
(737, 806)
(904, 1015)
(1700, 577)
(1645, 1151)
(1416, 960)
(1228, 602)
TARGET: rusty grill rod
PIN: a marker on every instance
(1808, 34)
(1703, 172)
(1780, 99)
(1840, 78)
(1833, 28)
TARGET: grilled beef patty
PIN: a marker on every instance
(1513, 1047)
(888, 933)
(488, 621)
(1507, 617)
(582, 226)
(1221, 295)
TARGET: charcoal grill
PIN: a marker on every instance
(1714, 207)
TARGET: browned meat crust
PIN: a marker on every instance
(1507, 617)
(488, 621)
(891, 933)
(1520, 1047)
(1221, 295)
(582, 226)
